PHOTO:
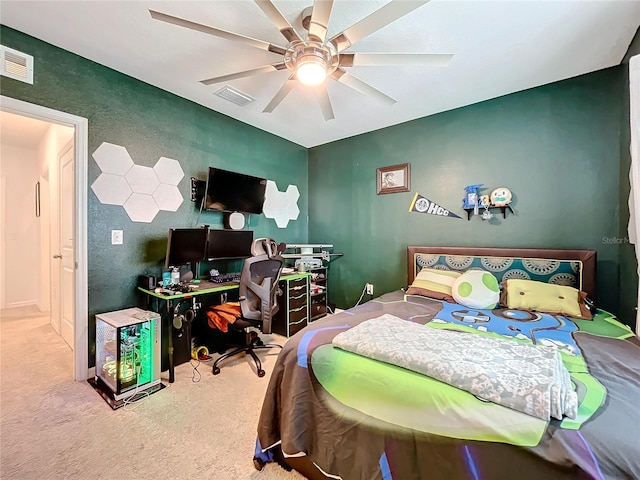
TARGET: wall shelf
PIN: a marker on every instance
(502, 209)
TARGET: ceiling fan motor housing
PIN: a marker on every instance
(311, 51)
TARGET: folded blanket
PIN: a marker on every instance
(528, 378)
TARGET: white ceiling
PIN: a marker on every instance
(499, 47)
(21, 131)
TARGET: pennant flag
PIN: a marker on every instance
(421, 204)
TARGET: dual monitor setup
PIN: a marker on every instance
(189, 246)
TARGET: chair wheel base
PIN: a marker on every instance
(261, 373)
(216, 370)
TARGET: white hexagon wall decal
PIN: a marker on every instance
(292, 193)
(111, 189)
(114, 159)
(168, 171)
(281, 206)
(292, 210)
(142, 191)
(141, 208)
(271, 189)
(282, 221)
(167, 197)
(274, 204)
(142, 179)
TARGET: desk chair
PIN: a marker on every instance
(257, 290)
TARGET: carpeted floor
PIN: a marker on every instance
(55, 428)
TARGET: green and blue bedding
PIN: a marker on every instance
(357, 417)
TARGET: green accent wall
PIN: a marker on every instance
(151, 123)
(557, 147)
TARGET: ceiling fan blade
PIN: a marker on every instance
(246, 73)
(283, 92)
(394, 59)
(382, 17)
(325, 103)
(181, 22)
(349, 80)
(320, 19)
(278, 20)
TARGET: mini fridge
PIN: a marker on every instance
(127, 354)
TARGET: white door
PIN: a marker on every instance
(64, 261)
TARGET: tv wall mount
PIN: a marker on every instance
(197, 189)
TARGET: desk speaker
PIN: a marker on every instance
(148, 282)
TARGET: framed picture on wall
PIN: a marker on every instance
(393, 179)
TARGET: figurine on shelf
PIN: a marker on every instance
(472, 197)
(486, 203)
(501, 197)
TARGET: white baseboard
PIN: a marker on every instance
(26, 303)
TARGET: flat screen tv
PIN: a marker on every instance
(185, 246)
(227, 191)
(229, 244)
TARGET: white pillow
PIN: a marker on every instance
(476, 289)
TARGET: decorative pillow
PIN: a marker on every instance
(544, 297)
(476, 289)
(434, 283)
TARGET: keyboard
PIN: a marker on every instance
(225, 277)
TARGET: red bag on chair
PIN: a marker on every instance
(221, 316)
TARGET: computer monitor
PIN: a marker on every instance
(229, 244)
(185, 246)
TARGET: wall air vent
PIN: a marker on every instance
(234, 95)
(16, 65)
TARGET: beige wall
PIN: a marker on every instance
(25, 240)
(20, 275)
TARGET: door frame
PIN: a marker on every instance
(81, 147)
(3, 202)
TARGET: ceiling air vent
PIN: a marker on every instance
(16, 65)
(234, 96)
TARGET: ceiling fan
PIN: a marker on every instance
(313, 59)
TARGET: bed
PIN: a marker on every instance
(331, 413)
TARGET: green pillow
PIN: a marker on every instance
(434, 283)
(477, 289)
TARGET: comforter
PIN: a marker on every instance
(359, 418)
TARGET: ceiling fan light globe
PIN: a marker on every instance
(311, 72)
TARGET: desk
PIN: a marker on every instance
(203, 288)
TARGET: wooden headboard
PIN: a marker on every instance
(586, 259)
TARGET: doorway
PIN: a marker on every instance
(75, 267)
